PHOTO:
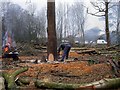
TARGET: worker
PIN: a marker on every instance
(65, 47)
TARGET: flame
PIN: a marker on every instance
(6, 49)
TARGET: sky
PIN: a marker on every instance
(91, 21)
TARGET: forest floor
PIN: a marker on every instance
(79, 68)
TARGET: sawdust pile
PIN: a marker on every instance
(72, 72)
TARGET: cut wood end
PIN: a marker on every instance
(51, 57)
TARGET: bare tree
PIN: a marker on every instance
(59, 22)
(52, 40)
(0, 37)
(102, 10)
(70, 20)
(41, 26)
(77, 21)
(118, 24)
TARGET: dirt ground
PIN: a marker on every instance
(77, 71)
(70, 71)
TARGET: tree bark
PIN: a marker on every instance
(52, 40)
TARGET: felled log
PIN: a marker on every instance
(106, 84)
(91, 51)
(102, 84)
(89, 61)
(46, 85)
(53, 85)
(10, 78)
(112, 47)
(114, 67)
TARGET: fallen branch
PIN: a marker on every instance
(10, 77)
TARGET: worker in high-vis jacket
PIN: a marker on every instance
(65, 47)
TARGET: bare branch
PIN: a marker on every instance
(98, 7)
(95, 14)
(102, 3)
(95, 6)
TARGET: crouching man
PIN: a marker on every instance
(65, 47)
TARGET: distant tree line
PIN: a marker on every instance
(27, 25)
(23, 26)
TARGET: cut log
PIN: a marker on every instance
(114, 67)
(91, 51)
(53, 85)
(102, 84)
(107, 83)
(10, 78)
(112, 47)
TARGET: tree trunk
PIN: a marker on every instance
(107, 24)
(1, 24)
(118, 24)
(52, 40)
(10, 77)
(61, 29)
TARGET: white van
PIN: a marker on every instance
(101, 41)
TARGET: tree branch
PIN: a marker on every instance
(95, 14)
(95, 6)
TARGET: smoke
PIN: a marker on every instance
(92, 34)
(7, 33)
